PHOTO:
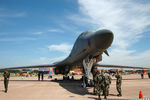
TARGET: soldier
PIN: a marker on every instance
(100, 84)
(107, 82)
(142, 74)
(118, 82)
(42, 76)
(95, 74)
(6, 79)
(39, 76)
(148, 74)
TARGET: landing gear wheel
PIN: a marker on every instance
(72, 78)
(83, 85)
(65, 77)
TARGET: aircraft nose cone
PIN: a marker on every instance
(103, 39)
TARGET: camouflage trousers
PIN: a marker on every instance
(95, 88)
(106, 90)
(100, 89)
(118, 86)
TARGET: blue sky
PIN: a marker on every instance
(34, 32)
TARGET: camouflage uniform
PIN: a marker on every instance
(100, 84)
(95, 74)
(107, 82)
(118, 83)
(6, 80)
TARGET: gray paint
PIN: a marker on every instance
(89, 43)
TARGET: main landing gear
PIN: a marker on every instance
(68, 78)
(65, 77)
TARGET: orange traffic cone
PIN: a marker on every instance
(140, 95)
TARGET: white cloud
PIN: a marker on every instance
(33, 61)
(125, 57)
(19, 14)
(38, 33)
(55, 30)
(49, 30)
(45, 60)
(127, 19)
(3, 16)
(16, 39)
(63, 47)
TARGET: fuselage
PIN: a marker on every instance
(89, 43)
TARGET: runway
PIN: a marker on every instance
(28, 88)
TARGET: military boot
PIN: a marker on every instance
(105, 97)
(99, 98)
(119, 95)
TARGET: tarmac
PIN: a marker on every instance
(28, 88)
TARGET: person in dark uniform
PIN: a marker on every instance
(148, 73)
(42, 76)
(118, 82)
(38, 76)
(6, 80)
(142, 74)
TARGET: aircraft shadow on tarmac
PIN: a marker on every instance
(73, 86)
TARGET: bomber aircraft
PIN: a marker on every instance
(86, 53)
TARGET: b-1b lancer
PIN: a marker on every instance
(87, 52)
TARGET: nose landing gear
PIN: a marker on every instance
(87, 65)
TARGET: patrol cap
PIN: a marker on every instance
(117, 70)
(97, 72)
(106, 71)
(102, 70)
(5, 70)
